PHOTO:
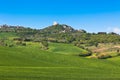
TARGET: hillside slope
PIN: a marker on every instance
(32, 63)
(59, 28)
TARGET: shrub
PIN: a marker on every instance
(44, 45)
(20, 43)
(26, 39)
(23, 44)
(104, 56)
(11, 45)
(17, 39)
(84, 54)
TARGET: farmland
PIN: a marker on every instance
(32, 63)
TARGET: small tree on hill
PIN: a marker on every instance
(44, 44)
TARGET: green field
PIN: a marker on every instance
(6, 35)
(59, 62)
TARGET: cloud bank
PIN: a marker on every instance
(114, 29)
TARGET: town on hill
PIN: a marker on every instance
(100, 45)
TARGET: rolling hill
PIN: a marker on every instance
(32, 63)
(21, 56)
(59, 28)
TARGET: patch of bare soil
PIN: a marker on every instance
(98, 50)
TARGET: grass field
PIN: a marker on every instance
(7, 34)
(60, 62)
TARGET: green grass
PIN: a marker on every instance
(67, 49)
(7, 34)
(32, 63)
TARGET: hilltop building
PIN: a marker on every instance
(55, 23)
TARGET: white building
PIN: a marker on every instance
(55, 23)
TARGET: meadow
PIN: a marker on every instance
(59, 62)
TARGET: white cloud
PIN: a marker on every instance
(116, 30)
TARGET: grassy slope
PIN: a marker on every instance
(65, 49)
(31, 63)
(7, 34)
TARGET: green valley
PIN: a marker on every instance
(55, 53)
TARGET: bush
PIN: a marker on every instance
(82, 47)
(103, 56)
(18, 39)
(44, 45)
(11, 45)
(84, 54)
(20, 43)
(26, 39)
(23, 44)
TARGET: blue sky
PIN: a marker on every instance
(91, 15)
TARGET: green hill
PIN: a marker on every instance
(22, 56)
(59, 28)
(7, 34)
(31, 63)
